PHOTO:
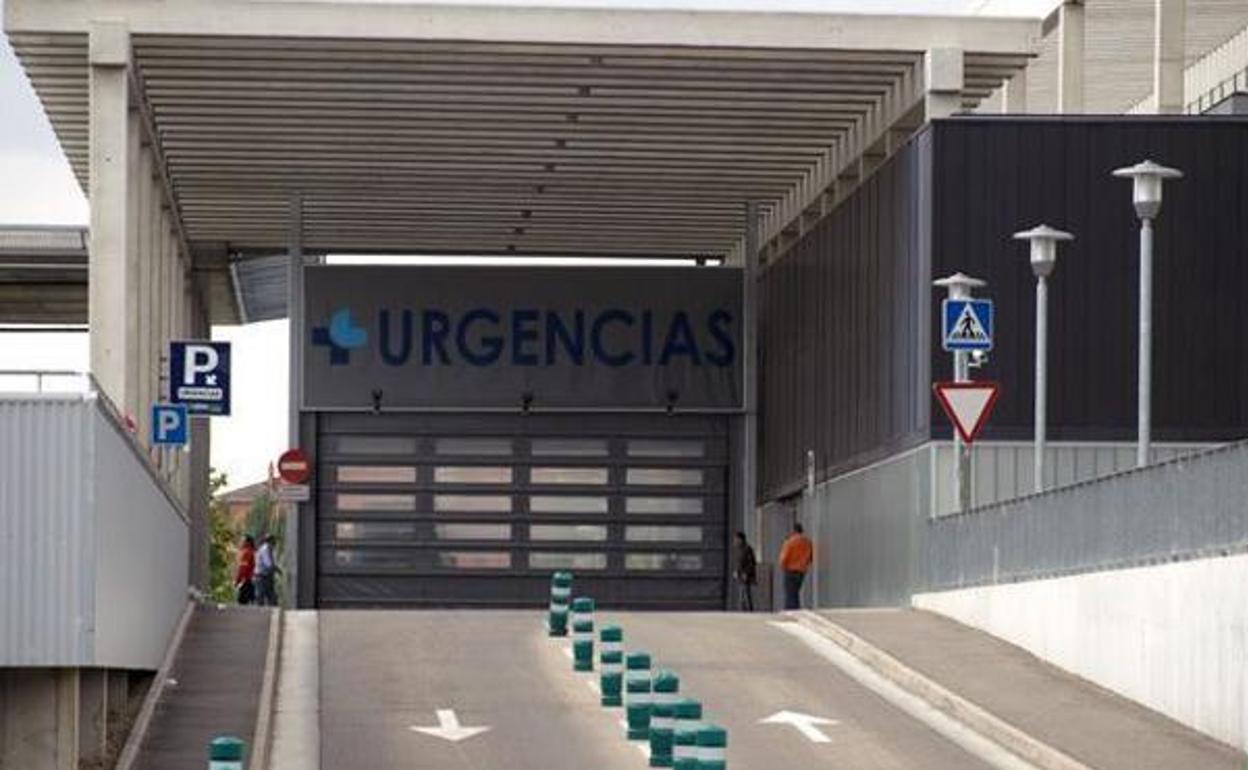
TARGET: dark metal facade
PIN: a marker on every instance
(850, 327)
(843, 331)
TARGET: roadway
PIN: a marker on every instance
(383, 673)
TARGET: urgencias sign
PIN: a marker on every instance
(602, 338)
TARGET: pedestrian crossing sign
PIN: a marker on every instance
(967, 324)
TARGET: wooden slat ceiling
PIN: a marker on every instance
(482, 148)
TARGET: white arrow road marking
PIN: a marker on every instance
(448, 728)
(806, 724)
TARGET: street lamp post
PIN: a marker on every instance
(1043, 240)
(958, 286)
(1147, 177)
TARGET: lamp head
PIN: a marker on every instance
(959, 285)
(1147, 177)
(1043, 241)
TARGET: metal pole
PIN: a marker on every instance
(1146, 343)
(962, 373)
(1042, 375)
(750, 522)
(294, 314)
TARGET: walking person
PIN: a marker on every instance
(266, 573)
(244, 588)
(747, 572)
(796, 556)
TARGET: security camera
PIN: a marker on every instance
(672, 397)
(377, 401)
(526, 402)
(978, 358)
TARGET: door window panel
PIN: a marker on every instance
(464, 531)
(364, 502)
(561, 560)
(593, 532)
(451, 474)
(567, 504)
(669, 477)
(377, 474)
(569, 447)
(376, 445)
(472, 503)
(474, 559)
(689, 562)
(374, 530)
(474, 447)
(664, 505)
(662, 534)
(585, 476)
(665, 448)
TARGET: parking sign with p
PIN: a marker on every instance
(169, 425)
(199, 376)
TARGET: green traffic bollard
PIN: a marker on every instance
(611, 659)
(583, 634)
(688, 716)
(226, 753)
(712, 748)
(560, 597)
(637, 687)
(666, 689)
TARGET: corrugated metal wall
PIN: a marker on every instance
(93, 549)
(47, 600)
(843, 332)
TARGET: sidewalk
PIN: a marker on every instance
(1089, 724)
(219, 671)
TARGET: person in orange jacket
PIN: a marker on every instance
(796, 555)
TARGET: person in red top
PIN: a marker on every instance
(796, 555)
(243, 585)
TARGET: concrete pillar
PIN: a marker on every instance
(92, 714)
(39, 719)
(112, 267)
(943, 80)
(1014, 94)
(1070, 57)
(1169, 50)
(145, 256)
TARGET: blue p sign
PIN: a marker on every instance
(169, 425)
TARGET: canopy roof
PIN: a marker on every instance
(499, 130)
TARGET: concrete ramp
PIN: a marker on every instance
(1071, 722)
(213, 688)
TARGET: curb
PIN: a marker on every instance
(259, 759)
(138, 731)
(974, 717)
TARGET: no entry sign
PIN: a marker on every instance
(293, 466)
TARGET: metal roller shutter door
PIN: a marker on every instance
(478, 510)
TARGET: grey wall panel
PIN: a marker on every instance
(868, 530)
(843, 329)
(996, 176)
(46, 598)
(142, 555)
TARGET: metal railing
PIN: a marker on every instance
(1236, 83)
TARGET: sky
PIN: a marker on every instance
(37, 187)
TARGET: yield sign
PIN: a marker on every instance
(968, 405)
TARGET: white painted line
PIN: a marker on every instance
(297, 718)
(942, 723)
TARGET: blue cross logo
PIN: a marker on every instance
(340, 337)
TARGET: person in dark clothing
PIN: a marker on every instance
(747, 572)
